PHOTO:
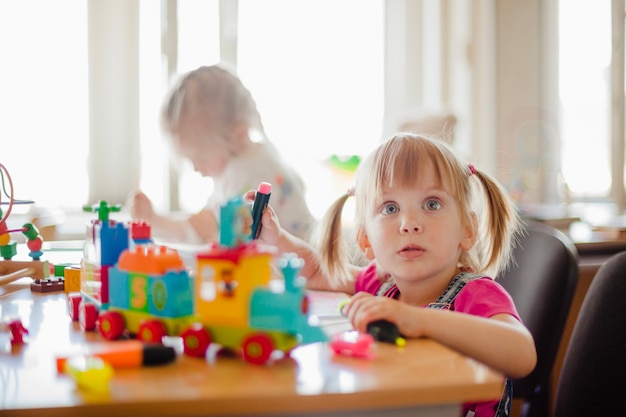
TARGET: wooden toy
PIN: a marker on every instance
(11, 270)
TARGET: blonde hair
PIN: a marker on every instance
(398, 162)
(211, 95)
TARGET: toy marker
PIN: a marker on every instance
(261, 200)
(127, 354)
(385, 331)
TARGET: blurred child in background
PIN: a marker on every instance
(212, 120)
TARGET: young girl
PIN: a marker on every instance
(417, 220)
(212, 120)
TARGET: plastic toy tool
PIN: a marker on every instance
(385, 331)
(261, 200)
(127, 354)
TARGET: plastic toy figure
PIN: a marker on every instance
(17, 330)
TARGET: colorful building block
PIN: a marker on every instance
(72, 278)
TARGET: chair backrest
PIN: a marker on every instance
(541, 282)
(592, 377)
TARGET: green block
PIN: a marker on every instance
(8, 251)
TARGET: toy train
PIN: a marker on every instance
(133, 287)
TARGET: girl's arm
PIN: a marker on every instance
(501, 341)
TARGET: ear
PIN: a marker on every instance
(365, 246)
(469, 233)
(239, 135)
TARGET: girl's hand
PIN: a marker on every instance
(141, 207)
(365, 308)
(270, 230)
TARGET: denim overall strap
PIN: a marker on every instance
(444, 302)
(456, 285)
(504, 405)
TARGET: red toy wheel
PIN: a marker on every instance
(258, 348)
(73, 302)
(151, 331)
(87, 316)
(196, 341)
(111, 325)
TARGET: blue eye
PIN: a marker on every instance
(432, 204)
(390, 208)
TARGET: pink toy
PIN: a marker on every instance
(353, 343)
(17, 330)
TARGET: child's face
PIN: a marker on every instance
(417, 232)
(209, 152)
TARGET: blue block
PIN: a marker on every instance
(114, 239)
(119, 289)
(171, 295)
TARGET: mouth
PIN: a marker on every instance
(411, 251)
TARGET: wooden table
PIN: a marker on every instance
(422, 379)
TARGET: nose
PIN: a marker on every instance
(410, 225)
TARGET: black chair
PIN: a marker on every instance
(592, 376)
(541, 282)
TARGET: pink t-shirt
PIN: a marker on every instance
(482, 297)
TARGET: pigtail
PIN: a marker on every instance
(331, 245)
(499, 232)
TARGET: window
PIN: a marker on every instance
(44, 107)
(320, 79)
(318, 86)
(591, 87)
(585, 96)
(319, 92)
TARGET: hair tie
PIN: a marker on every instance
(472, 170)
(350, 192)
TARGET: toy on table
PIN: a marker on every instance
(103, 209)
(232, 216)
(37, 269)
(8, 247)
(379, 330)
(17, 330)
(385, 331)
(9, 269)
(353, 343)
(105, 240)
(90, 373)
(93, 368)
(125, 354)
(228, 301)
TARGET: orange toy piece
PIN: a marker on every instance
(151, 259)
